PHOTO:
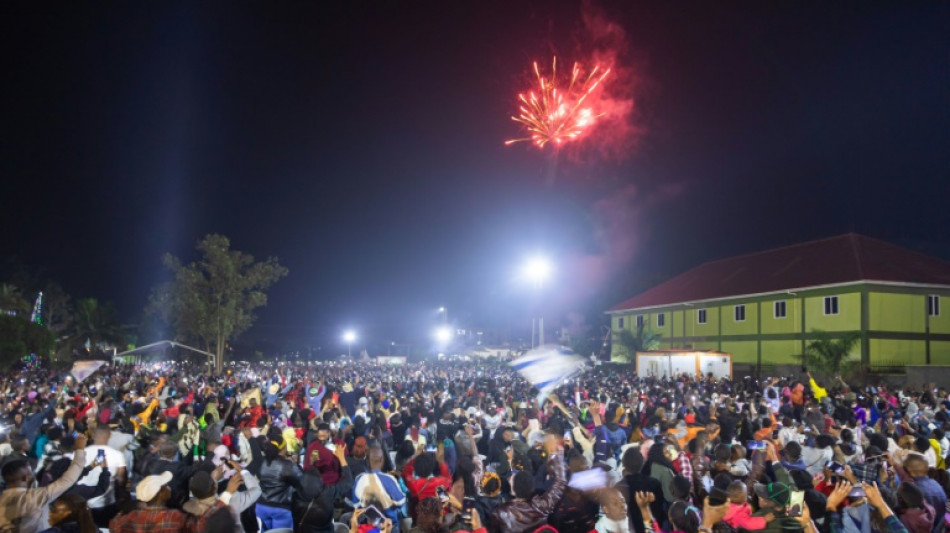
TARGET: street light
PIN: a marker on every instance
(445, 315)
(537, 270)
(443, 335)
(349, 336)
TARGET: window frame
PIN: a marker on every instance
(640, 321)
(832, 304)
(775, 305)
(701, 316)
(933, 305)
(661, 320)
(735, 313)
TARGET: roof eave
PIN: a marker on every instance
(693, 303)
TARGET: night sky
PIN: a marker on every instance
(362, 144)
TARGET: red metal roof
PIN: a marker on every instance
(845, 258)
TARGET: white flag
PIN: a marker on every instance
(83, 369)
(546, 367)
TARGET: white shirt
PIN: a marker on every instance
(606, 525)
(114, 460)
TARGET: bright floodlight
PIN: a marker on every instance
(443, 335)
(537, 269)
(349, 336)
(441, 309)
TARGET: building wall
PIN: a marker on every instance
(742, 351)
(847, 319)
(895, 327)
(897, 352)
(793, 316)
(940, 352)
(897, 312)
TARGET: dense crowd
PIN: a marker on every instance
(465, 446)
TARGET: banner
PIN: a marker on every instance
(546, 367)
(83, 369)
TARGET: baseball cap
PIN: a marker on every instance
(777, 492)
(148, 488)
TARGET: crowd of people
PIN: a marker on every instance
(465, 446)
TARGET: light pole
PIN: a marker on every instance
(348, 337)
(445, 315)
(537, 270)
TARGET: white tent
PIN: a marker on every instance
(162, 345)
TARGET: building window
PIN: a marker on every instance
(660, 320)
(740, 313)
(639, 321)
(831, 305)
(933, 305)
(701, 316)
(780, 309)
(620, 322)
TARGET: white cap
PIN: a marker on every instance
(146, 490)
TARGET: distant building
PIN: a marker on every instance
(764, 307)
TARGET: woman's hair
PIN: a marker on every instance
(684, 517)
(424, 465)
(429, 516)
(78, 512)
(272, 448)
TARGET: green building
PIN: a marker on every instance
(764, 307)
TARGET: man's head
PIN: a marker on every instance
(20, 444)
(577, 463)
(916, 465)
(375, 458)
(167, 449)
(632, 461)
(615, 507)
(773, 496)
(202, 485)
(793, 451)
(508, 434)
(101, 434)
(323, 432)
(17, 473)
(737, 492)
(522, 485)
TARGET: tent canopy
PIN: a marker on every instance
(161, 345)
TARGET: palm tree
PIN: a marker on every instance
(830, 354)
(629, 343)
(93, 322)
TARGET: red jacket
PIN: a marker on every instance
(740, 515)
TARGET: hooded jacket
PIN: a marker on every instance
(519, 516)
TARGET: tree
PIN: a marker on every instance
(212, 300)
(12, 301)
(830, 354)
(95, 323)
(644, 340)
(19, 337)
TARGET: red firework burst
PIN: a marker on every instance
(559, 111)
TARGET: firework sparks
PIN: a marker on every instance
(553, 113)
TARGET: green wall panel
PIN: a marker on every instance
(748, 327)
(847, 319)
(895, 352)
(742, 351)
(781, 352)
(792, 323)
(940, 352)
(897, 312)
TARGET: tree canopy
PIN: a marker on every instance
(211, 301)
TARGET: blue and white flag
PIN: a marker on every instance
(546, 367)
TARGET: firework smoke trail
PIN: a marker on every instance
(555, 114)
